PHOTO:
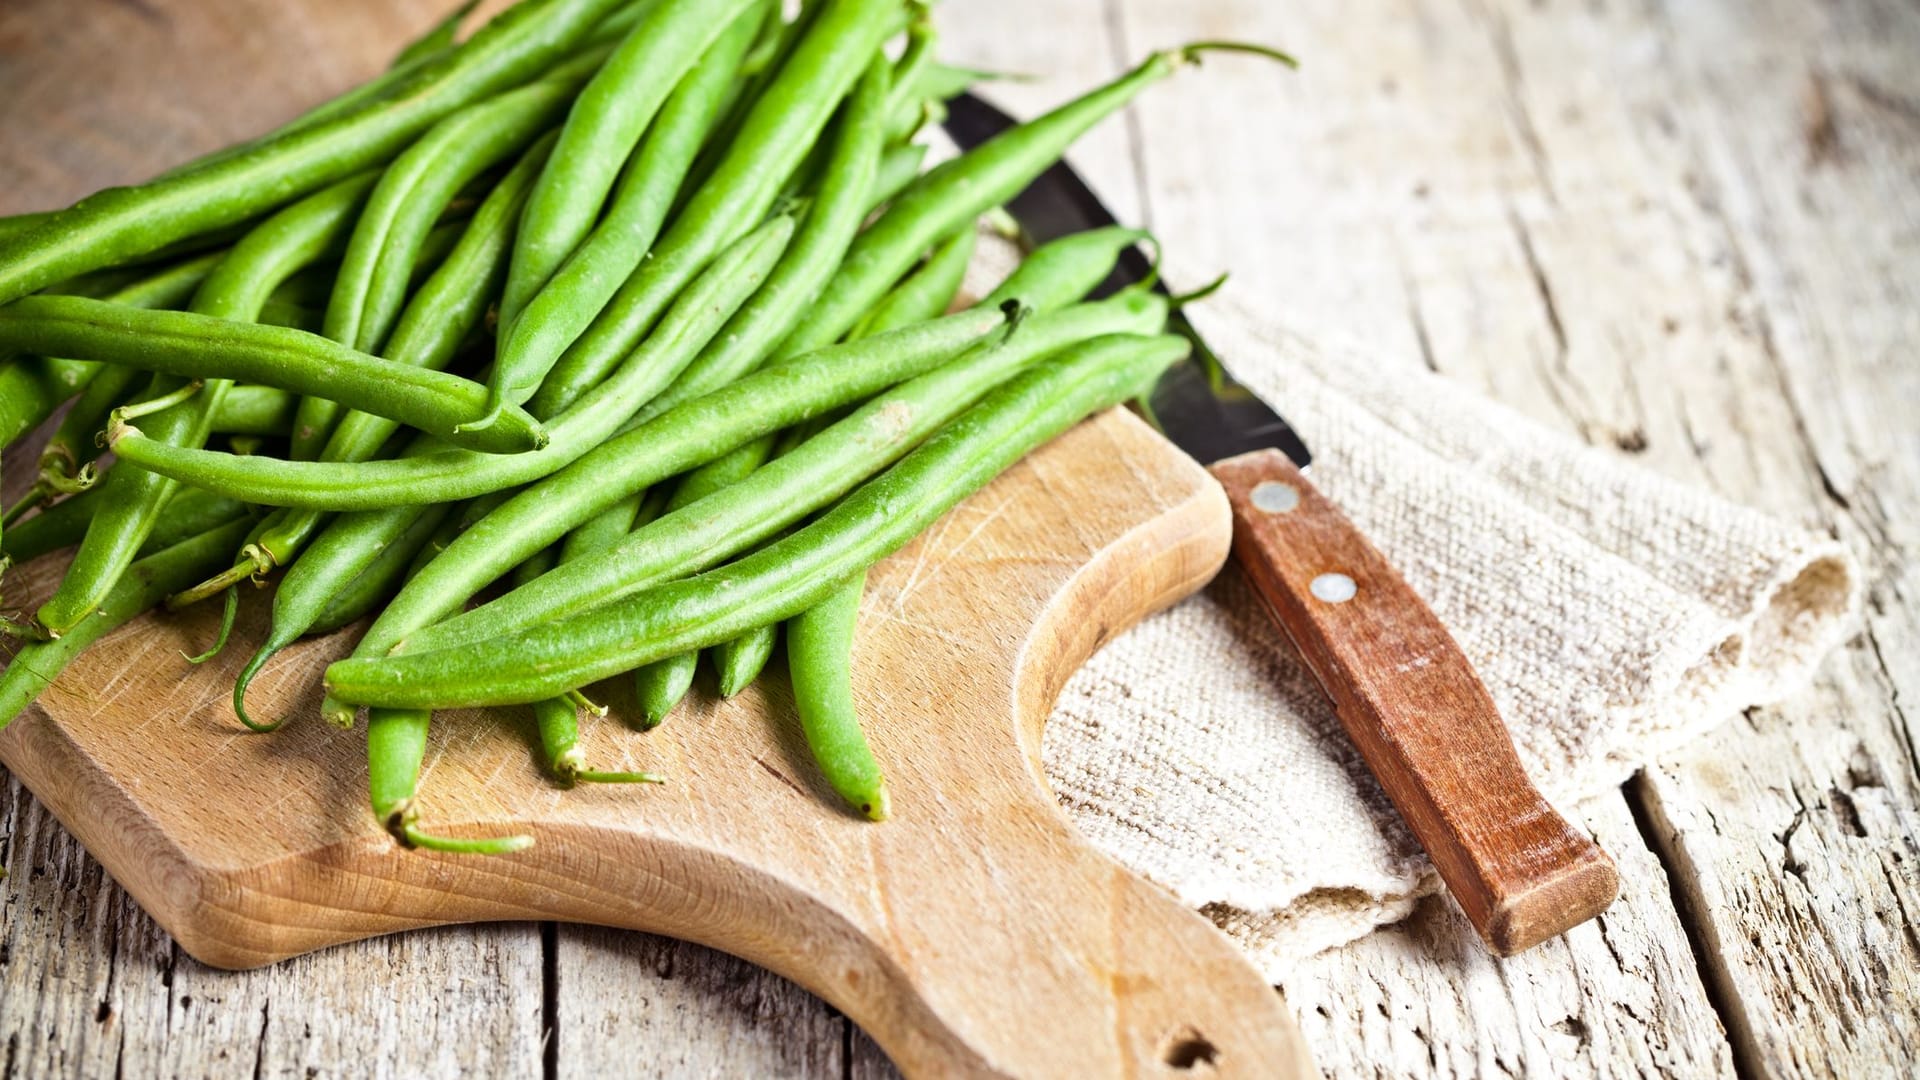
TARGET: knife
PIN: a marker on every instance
(1407, 696)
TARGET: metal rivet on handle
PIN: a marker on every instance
(1274, 497)
(1333, 588)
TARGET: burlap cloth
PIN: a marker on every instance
(1613, 614)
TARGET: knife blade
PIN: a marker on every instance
(1404, 691)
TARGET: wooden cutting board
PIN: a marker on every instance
(975, 933)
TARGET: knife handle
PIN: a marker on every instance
(1411, 702)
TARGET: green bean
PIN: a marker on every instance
(772, 50)
(543, 316)
(438, 38)
(189, 345)
(1074, 265)
(278, 312)
(925, 294)
(534, 565)
(899, 166)
(621, 22)
(606, 529)
(31, 387)
(602, 129)
(819, 645)
(151, 578)
(66, 462)
(449, 308)
(659, 686)
(16, 223)
(912, 117)
(449, 475)
(122, 223)
(738, 661)
(603, 532)
(371, 287)
(1056, 273)
(346, 550)
(907, 73)
(311, 230)
(777, 133)
(396, 746)
(229, 614)
(785, 578)
(442, 539)
(960, 190)
(255, 410)
(771, 399)
(793, 485)
(230, 296)
(544, 321)
(371, 587)
(189, 513)
(598, 535)
(352, 542)
(838, 206)
(765, 50)
(944, 82)
(559, 723)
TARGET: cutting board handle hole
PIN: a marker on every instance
(1186, 1048)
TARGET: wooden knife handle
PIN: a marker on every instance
(1413, 705)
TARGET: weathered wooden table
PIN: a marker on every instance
(1686, 230)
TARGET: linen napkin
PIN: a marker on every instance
(1613, 614)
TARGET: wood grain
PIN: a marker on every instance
(974, 933)
(1409, 699)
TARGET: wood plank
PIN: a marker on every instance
(1612, 998)
(636, 1002)
(1796, 829)
(1403, 179)
(90, 986)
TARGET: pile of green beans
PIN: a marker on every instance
(614, 334)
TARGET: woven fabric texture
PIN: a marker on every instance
(1613, 613)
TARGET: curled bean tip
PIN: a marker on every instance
(1200, 293)
(1190, 53)
(240, 685)
(1152, 278)
(412, 836)
(227, 617)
